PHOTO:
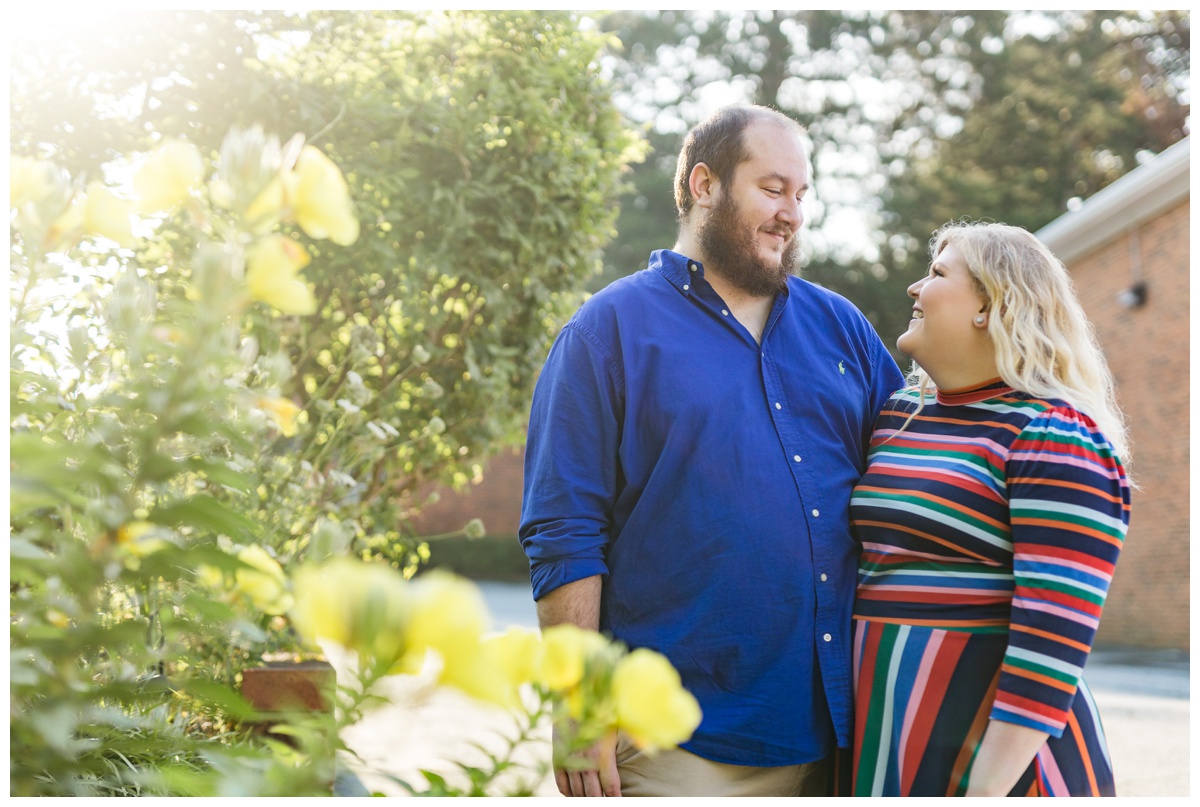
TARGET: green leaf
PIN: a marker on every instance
(205, 512)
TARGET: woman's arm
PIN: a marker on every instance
(1004, 753)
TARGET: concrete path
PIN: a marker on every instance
(1143, 696)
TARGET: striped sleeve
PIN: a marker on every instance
(1069, 504)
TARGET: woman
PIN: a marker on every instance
(990, 516)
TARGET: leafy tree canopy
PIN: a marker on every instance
(916, 117)
(484, 156)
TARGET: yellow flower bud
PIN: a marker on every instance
(131, 531)
(562, 656)
(107, 215)
(168, 176)
(264, 583)
(363, 607)
(267, 208)
(272, 265)
(324, 602)
(450, 618)
(210, 576)
(319, 198)
(283, 412)
(515, 650)
(477, 675)
(652, 706)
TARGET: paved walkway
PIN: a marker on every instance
(1143, 696)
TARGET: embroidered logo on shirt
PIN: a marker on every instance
(841, 368)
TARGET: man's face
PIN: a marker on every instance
(749, 236)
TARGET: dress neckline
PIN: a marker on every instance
(974, 393)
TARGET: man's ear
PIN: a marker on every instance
(704, 185)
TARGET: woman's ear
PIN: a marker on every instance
(703, 184)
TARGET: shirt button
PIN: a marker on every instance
(723, 311)
(827, 637)
(692, 266)
(816, 512)
(777, 406)
(824, 577)
(685, 287)
(795, 457)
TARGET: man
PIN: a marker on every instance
(693, 442)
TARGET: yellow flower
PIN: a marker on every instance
(503, 664)
(363, 607)
(30, 181)
(168, 176)
(283, 412)
(272, 266)
(136, 538)
(514, 653)
(383, 608)
(267, 208)
(107, 215)
(324, 602)
(562, 656)
(210, 576)
(264, 583)
(67, 226)
(652, 706)
(320, 199)
(450, 618)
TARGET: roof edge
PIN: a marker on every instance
(1139, 195)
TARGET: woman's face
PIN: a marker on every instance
(943, 335)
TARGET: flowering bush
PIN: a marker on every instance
(148, 424)
(586, 684)
(139, 405)
(210, 393)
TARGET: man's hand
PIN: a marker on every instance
(602, 781)
(578, 603)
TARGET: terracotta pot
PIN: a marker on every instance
(283, 686)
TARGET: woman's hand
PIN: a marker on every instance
(1004, 753)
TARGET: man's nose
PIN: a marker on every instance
(915, 289)
(792, 214)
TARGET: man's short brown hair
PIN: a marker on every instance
(718, 143)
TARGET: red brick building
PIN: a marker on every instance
(1128, 249)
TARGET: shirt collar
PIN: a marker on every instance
(974, 393)
(680, 270)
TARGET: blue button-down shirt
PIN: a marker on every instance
(708, 479)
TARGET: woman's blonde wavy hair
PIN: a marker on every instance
(1045, 345)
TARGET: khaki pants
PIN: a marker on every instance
(678, 773)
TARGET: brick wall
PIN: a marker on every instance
(1148, 351)
(496, 499)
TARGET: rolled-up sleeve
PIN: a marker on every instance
(571, 461)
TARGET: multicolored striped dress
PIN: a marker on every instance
(990, 526)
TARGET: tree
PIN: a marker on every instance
(1052, 119)
(915, 118)
(484, 157)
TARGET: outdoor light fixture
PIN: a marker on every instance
(1134, 296)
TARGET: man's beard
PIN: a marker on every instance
(732, 248)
